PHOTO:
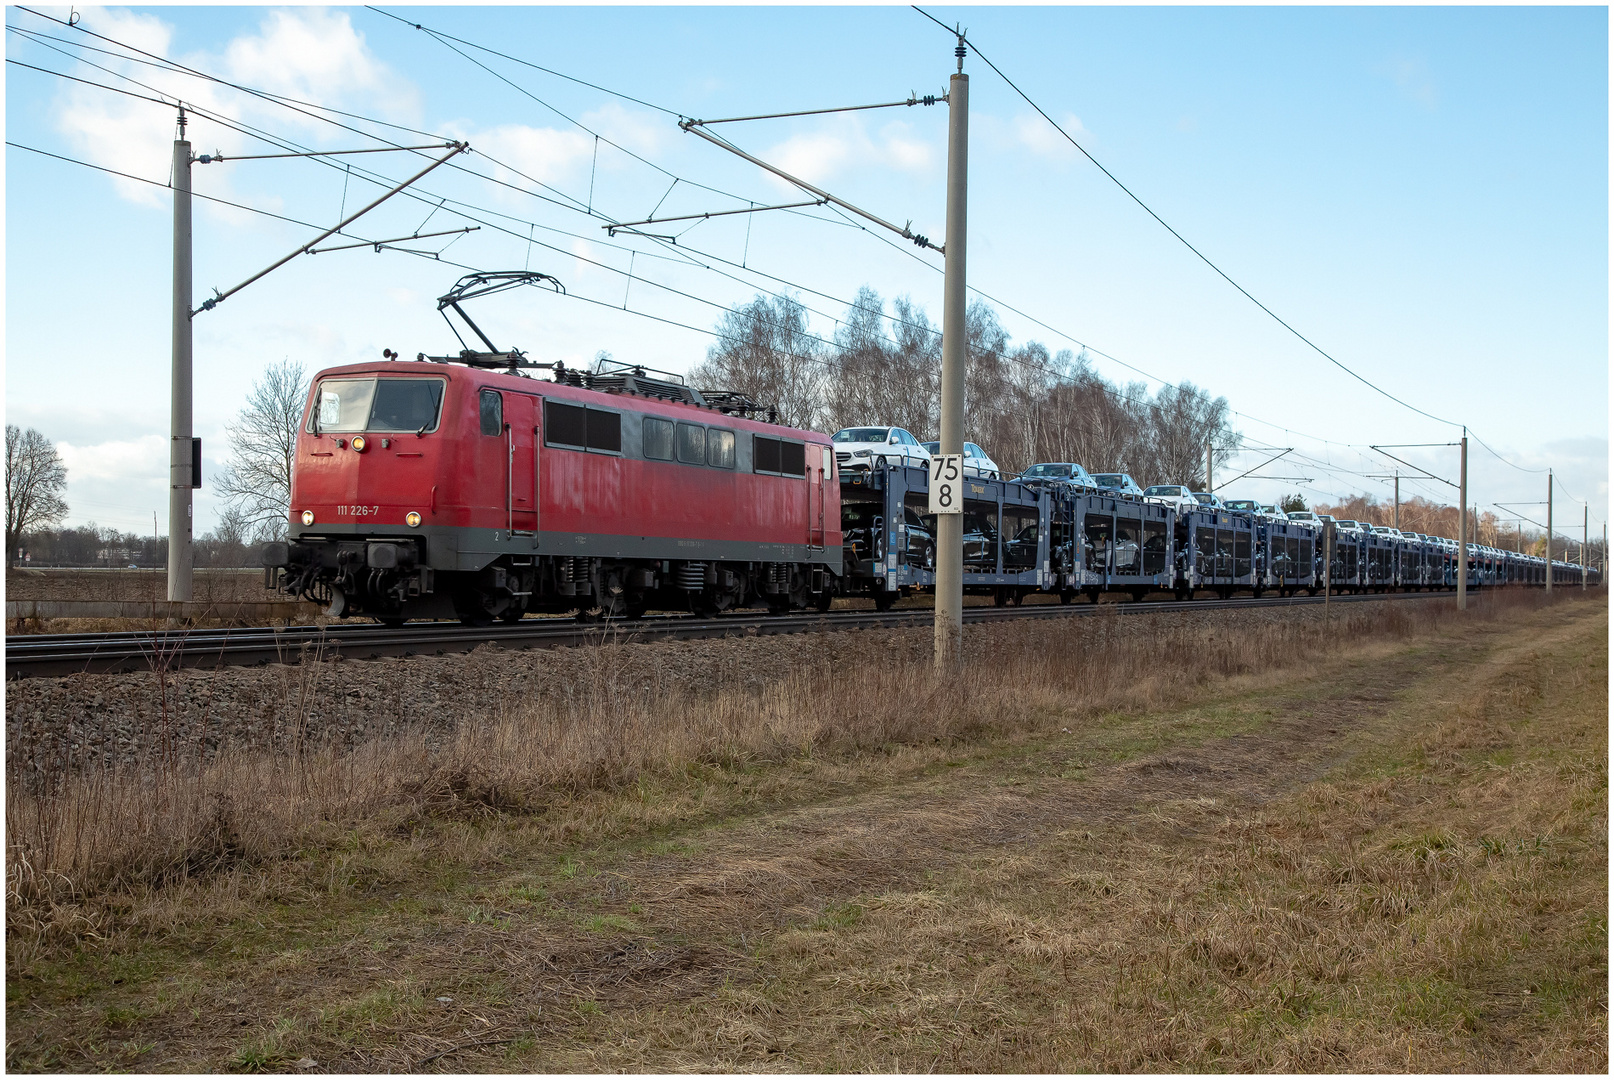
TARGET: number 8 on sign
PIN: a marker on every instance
(946, 472)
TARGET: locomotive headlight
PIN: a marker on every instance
(308, 517)
(358, 443)
(412, 519)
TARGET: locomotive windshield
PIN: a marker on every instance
(377, 405)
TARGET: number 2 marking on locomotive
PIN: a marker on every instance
(945, 472)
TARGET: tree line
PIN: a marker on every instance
(99, 545)
(1022, 403)
(1422, 515)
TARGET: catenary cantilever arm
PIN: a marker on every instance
(219, 297)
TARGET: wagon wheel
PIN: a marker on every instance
(884, 600)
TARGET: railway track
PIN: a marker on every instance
(67, 654)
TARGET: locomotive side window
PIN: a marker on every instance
(604, 431)
(793, 458)
(778, 456)
(578, 428)
(657, 437)
(564, 425)
(720, 448)
(765, 454)
(692, 444)
(492, 410)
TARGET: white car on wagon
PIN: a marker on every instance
(862, 448)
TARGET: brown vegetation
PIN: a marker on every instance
(959, 924)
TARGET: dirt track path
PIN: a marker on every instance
(534, 958)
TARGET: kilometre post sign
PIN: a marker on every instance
(946, 484)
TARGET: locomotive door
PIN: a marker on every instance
(820, 460)
(521, 471)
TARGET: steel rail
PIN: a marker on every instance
(43, 655)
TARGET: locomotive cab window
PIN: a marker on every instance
(355, 405)
(492, 412)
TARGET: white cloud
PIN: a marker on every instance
(1411, 76)
(642, 132)
(1039, 136)
(820, 156)
(122, 461)
(310, 54)
(543, 154)
(315, 55)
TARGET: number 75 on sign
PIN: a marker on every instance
(946, 484)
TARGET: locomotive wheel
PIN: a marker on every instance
(511, 614)
(823, 600)
(391, 622)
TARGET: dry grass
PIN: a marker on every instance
(79, 828)
(944, 915)
(1442, 906)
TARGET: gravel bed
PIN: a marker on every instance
(192, 714)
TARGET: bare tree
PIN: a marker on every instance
(1183, 421)
(35, 480)
(884, 379)
(256, 485)
(765, 351)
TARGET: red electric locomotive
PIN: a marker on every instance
(440, 490)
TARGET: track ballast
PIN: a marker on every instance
(68, 654)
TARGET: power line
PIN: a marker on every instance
(438, 35)
(158, 183)
(525, 63)
(1205, 259)
(149, 60)
(571, 204)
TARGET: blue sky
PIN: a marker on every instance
(1421, 191)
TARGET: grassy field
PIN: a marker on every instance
(1135, 850)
